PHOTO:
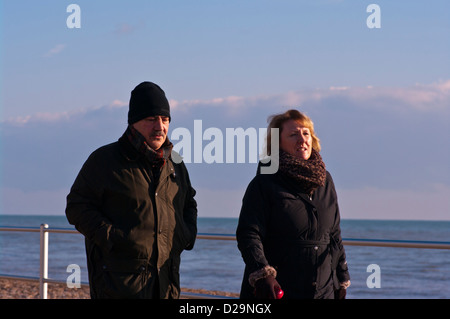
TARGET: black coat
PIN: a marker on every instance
(136, 224)
(282, 227)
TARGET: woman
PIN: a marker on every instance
(289, 226)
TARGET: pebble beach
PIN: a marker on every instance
(18, 289)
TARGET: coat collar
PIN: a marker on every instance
(132, 155)
(127, 150)
(291, 185)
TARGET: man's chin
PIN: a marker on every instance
(156, 145)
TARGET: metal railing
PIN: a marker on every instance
(44, 229)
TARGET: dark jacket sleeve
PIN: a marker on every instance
(339, 262)
(84, 202)
(252, 227)
(190, 211)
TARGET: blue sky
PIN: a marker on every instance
(380, 98)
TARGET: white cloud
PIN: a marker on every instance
(443, 86)
(173, 104)
(126, 28)
(422, 97)
(370, 184)
(55, 50)
(42, 117)
(118, 104)
(339, 88)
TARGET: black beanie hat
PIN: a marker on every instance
(147, 99)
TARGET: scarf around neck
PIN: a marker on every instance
(309, 174)
(157, 158)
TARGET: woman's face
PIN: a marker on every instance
(296, 139)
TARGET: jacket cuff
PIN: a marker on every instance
(260, 274)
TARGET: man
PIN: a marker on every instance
(135, 206)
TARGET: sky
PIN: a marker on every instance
(379, 97)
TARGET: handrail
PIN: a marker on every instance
(44, 230)
(396, 243)
(38, 229)
(358, 242)
(346, 241)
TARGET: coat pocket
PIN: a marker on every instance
(125, 278)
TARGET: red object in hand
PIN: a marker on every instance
(279, 292)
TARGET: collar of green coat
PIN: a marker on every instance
(157, 158)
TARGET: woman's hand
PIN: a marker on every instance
(267, 288)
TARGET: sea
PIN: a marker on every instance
(376, 272)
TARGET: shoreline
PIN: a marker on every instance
(18, 289)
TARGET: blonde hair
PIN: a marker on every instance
(277, 121)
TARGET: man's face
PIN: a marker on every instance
(154, 129)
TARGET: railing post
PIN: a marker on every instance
(43, 269)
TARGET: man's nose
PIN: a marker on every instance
(158, 123)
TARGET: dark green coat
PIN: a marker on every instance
(135, 227)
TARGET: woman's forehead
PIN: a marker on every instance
(295, 125)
